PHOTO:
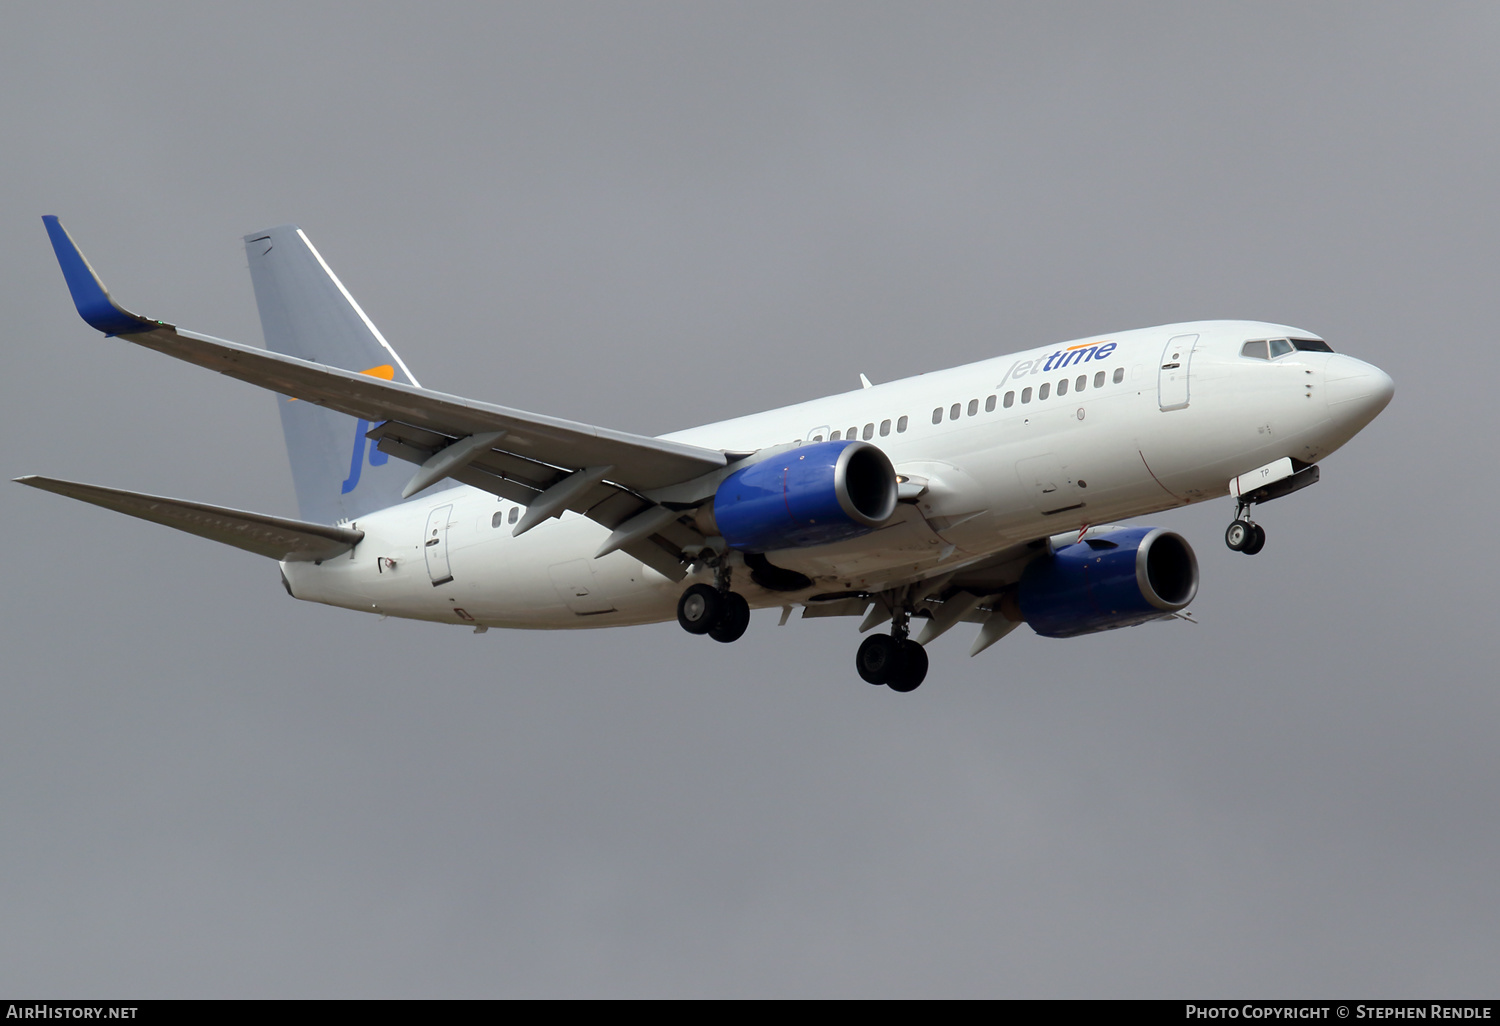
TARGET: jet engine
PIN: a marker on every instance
(810, 495)
(1119, 579)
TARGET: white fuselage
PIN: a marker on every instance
(1128, 434)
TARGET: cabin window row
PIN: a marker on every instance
(854, 432)
(1077, 384)
(501, 517)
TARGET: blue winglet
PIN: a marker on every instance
(89, 293)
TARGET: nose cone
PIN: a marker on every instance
(1356, 391)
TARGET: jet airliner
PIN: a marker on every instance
(988, 494)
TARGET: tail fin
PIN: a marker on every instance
(306, 312)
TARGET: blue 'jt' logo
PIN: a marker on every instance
(356, 461)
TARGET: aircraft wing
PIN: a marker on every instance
(278, 538)
(982, 592)
(635, 462)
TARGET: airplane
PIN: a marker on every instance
(989, 493)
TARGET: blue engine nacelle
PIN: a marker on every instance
(810, 495)
(1118, 579)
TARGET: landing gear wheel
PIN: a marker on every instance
(734, 617)
(911, 667)
(699, 608)
(1239, 535)
(877, 658)
(1257, 540)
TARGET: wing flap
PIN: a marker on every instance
(275, 537)
(521, 480)
(416, 445)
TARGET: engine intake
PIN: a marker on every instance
(1120, 579)
(811, 495)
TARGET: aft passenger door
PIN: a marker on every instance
(435, 545)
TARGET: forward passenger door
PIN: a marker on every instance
(1172, 378)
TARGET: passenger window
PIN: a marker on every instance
(900, 425)
(1026, 395)
(937, 415)
(1280, 347)
(835, 436)
(1045, 390)
(1099, 380)
(973, 407)
(885, 428)
(852, 433)
(1062, 387)
(1081, 383)
(1010, 399)
(1255, 350)
(989, 405)
(498, 518)
(953, 411)
(869, 432)
(1119, 375)
(817, 438)
(515, 514)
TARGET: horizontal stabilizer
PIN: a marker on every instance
(280, 539)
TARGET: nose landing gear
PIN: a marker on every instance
(893, 659)
(1244, 535)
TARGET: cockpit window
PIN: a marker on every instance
(1262, 349)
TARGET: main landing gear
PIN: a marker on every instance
(1245, 535)
(714, 610)
(893, 659)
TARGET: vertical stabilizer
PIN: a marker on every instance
(306, 312)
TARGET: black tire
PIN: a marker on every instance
(876, 658)
(1238, 535)
(699, 608)
(911, 667)
(733, 618)
(1257, 540)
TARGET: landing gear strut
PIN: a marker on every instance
(1245, 535)
(713, 609)
(893, 659)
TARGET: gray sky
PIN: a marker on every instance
(649, 216)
